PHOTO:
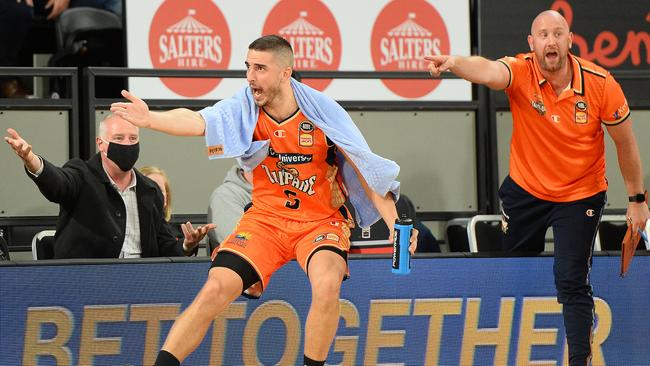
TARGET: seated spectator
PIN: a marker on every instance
(108, 209)
(227, 203)
(15, 21)
(160, 177)
(17, 18)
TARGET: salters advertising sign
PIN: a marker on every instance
(404, 32)
(314, 35)
(362, 35)
(189, 35)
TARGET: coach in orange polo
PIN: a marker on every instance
(560, 104)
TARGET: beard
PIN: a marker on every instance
(555, 65)
(268, 95)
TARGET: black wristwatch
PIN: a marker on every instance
(638, 198)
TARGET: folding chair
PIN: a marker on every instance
(43, 245)
(483, 235)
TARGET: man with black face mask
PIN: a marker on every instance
(107, 208)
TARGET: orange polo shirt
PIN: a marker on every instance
(299, 178)
(557, 151)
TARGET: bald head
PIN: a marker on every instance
(550, 40)
(548, 19)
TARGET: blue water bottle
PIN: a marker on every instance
(401, 242)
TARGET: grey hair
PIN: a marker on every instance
(101, 132)
(102, 126)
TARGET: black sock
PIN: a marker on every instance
(166, 359)
(309, 362)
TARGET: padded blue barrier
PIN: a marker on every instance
(448, 311)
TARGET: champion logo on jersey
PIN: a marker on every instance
(280, 133)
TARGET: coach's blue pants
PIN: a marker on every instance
(574, 230)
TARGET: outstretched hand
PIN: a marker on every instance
(193, 236)
(23, 149)
(136, 111)
(439, 64)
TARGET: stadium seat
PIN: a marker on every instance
(611, 232)
(457, 238)
(43, 245)
(90, 37)
(484, 232)
(4, 250)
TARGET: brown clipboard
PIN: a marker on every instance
(629, 245)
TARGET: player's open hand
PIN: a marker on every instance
(135, 111)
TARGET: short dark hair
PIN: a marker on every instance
(275, 44)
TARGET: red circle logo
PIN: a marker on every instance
(313, 33)
(405, 31)
(189, 34)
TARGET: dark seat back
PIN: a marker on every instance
(489, 236)
(90, 37)
(43, 245)
(457, 238)
(611, 236)
(4, 250)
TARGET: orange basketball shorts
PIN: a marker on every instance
(267, 241)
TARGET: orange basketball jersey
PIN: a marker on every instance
(557, 152)
(299, 178)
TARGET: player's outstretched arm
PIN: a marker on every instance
(179, 122)
(477, 69)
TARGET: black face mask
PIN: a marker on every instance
(124, 156)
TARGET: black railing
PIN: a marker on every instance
(83, 105)
(70, 104)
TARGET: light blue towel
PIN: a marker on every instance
(230, 124)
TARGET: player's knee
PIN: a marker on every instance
(216, 294)
(327, 288)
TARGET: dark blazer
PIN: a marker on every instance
(92, 216)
